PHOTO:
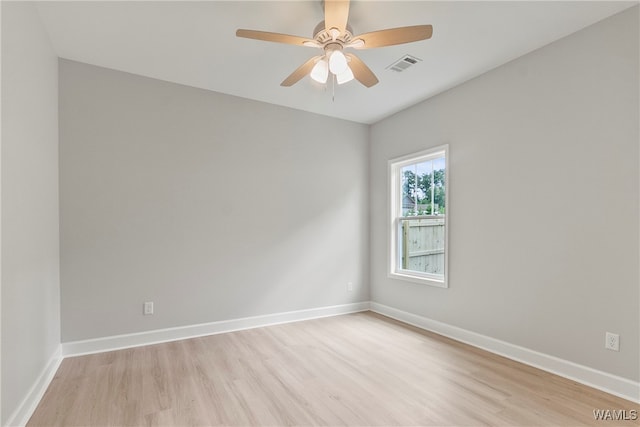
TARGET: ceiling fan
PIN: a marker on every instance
(333, 36)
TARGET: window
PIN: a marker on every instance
(419, 217)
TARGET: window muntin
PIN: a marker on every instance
(419, 217)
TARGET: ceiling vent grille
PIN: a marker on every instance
(404, 63)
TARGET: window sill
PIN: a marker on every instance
(439, 283)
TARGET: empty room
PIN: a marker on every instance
(365, 213)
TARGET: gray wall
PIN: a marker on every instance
(543, 199)
(159, 185)
(155, 178)
(30, 244)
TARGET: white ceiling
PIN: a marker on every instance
(194, 43)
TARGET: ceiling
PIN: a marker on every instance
(194, 43)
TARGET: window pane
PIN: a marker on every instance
(421, 240)
(423, 188)
(422, 245)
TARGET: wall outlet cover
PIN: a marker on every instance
(147, 308)
(612, 341)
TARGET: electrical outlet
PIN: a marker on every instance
(612, 341)
(350, 286)
(148, 308)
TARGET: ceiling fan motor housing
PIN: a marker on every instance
(323, 36)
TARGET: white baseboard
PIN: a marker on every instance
(28, 405)
(609, 383)
(606, 382)
(117, 342)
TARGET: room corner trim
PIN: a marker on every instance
(28, 405)
(600, 380)
(117, 342)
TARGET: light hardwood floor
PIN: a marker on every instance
(358, 369)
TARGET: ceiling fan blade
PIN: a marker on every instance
(299, 73)
(361, 72)
(276, 37)
(394, 36)
(336, 14)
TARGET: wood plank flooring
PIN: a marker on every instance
(358, 369)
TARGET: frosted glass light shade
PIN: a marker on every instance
(337, 62)
(345, 76)
(320, 71)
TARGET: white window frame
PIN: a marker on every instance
(395, 212)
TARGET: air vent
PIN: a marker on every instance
(404, 63)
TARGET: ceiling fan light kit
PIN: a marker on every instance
(333, 35)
